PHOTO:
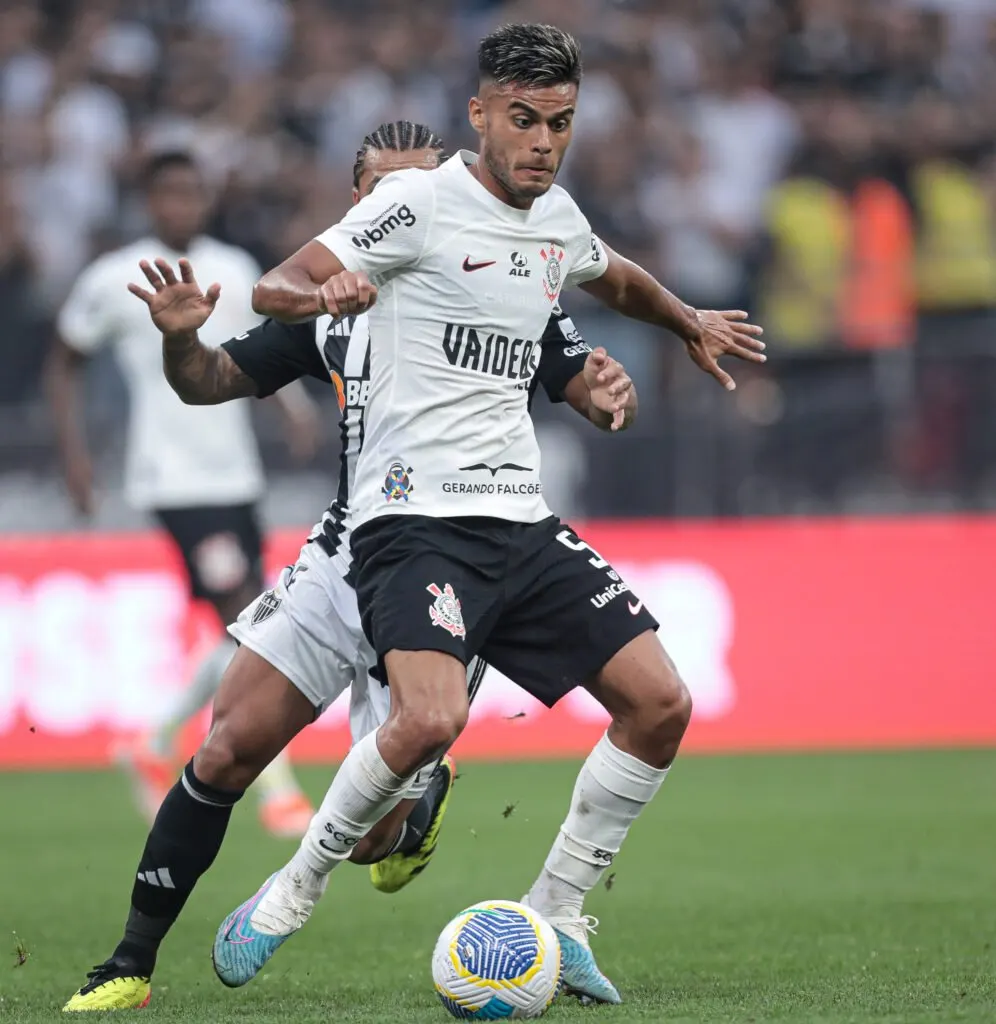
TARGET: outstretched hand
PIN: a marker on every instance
(175, 306)
(725, 333)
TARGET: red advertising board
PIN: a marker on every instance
(790, 634)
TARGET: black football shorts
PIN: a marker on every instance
(532, 599)
(222, 547)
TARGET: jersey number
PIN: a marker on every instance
(565, 537)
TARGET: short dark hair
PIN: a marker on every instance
(400, 136)
(166, 161)
(532, 55)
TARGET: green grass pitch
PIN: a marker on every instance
(823, 888)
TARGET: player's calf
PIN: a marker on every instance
(383, 838)
(415, 844)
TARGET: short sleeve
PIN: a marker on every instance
(388, 228)
(587, 254)
(563, 355)
(86, 321)
(274, 354)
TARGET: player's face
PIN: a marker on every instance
(524, 134)
(381, 162)
(178, 204)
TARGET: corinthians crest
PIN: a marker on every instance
(554, 256)
(445, 610)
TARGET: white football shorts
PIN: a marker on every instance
(308, 627)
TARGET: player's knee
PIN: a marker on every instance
(428, 708)
(427, 730)
(654, 716)
(437, 727)
(676, 707)
(224, 761)
(662, 718)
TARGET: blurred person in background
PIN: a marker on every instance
(703, 226)
(21, 363)
(955, 204)
(195, 470)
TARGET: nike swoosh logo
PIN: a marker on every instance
(634, 609)
(468, 266)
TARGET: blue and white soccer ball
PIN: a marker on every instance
(497, 960)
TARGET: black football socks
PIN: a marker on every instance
(185, 839)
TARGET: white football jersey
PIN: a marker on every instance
(466, 288)
(177, 455)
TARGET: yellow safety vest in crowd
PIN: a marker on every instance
(808, 222)
(956, 248)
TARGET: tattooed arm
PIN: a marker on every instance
(257, 363)
(202, 375)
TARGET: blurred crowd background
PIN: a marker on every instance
(829, 165)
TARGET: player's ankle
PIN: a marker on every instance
(290, 899)
(138, 953)
(304, 872)
(556, 898)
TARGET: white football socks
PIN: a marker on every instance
(612, 789)
(202, 688)
(362, 792)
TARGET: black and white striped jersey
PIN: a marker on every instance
(337, 352)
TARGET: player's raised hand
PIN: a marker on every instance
(609, 386)
(348, 292)
(175, 306)
(725, 333)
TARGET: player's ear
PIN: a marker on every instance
(475, 111)
(356, 195)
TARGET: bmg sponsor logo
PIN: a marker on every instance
(390, 220)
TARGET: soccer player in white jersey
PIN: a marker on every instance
(196, 471)
(455, 553)
(302, 643)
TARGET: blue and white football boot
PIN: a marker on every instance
(579, 974)
(254, 931)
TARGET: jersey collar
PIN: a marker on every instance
(462, 161)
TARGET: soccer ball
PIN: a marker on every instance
(497, 960)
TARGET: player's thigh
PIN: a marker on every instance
(427, 585)
(307, 627)
(257, 712)
(221, 548)
(569, 614)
